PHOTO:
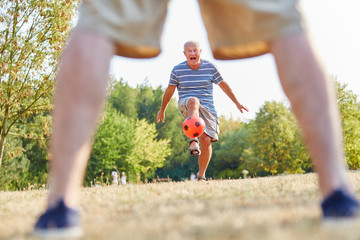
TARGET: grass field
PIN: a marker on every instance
(284, 207)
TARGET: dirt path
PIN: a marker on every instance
(285, 207)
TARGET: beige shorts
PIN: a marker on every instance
(236, 28)
(211, 121)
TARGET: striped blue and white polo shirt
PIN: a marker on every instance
(196, 83)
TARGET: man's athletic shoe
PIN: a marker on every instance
(340, 205)
(59, 222)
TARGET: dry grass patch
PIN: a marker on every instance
(284, 207)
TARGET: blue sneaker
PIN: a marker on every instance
(59, 222)
(340, 205)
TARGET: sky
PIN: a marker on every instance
(333, 26)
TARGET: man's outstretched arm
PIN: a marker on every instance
(169, 92)
(226, 88)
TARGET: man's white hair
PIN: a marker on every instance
(191, 42)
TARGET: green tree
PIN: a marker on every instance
(148, 101)
(123, 98)
(229, 124)
(227, 151)
(144, 102)
(128, 144)
(148, 153)
(32, 35)
(275, 142)
(13, 174)
(227, 158)
(112, 145)
(350, 118)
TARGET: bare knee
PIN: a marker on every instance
(193, 103)
(205, 140)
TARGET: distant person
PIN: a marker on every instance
(115, 177)
(236, 29)
(194, 80)
(123, 178)
(192, 177)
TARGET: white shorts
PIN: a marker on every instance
(211, 121)
(236, 28)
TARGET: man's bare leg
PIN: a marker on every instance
(206, 153)
(313, 101)
(80, 95)
(192, 109)
(205, 141)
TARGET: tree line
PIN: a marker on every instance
(128, 139)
